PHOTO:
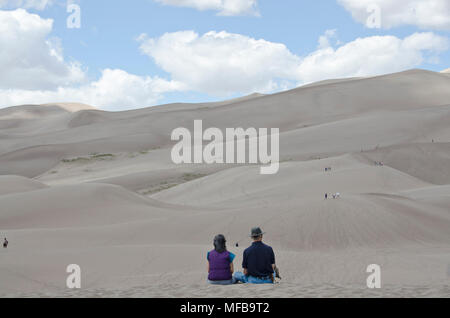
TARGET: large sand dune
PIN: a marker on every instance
(99, 189)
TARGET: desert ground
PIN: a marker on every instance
(99, 189)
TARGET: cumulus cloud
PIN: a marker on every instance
(26, 4)
(372, 56)
(33, 71)
(429, 14)
(324, 40)
(224, 7)
(115, 90)
(222, 63)
(29, 59)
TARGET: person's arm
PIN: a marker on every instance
(244, 264)
(272, 260)
(208, 267)
(232, 256)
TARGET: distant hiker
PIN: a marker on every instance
(258, 262)
(220, 263)
(5, 243)
(326, 196)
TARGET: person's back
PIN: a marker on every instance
(259, 259)
(219, 266)
(258, 262)
(220, 263)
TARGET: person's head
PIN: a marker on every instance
(256, 234)
(220, 243)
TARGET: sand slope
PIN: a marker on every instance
(18, 184)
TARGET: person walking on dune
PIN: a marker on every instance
(258, 263)
(220, 263)
(5, 243)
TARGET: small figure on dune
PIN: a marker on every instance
(5, 243)
(326, 196)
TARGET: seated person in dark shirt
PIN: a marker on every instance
(258, 263)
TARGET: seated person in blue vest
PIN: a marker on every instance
(220, 263)
(258, 263)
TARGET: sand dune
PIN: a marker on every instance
(96, 188)
(18, 184)
(245, 184)
(427, 161)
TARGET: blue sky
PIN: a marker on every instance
(211, 66)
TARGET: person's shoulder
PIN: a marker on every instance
(267, 246)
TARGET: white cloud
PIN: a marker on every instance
(426, 14)
(324, 40)
(221, 63)
(115, 90)
(26, 4)
(33, 71)
(372, 56)
(29, 59)
(225, 7)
